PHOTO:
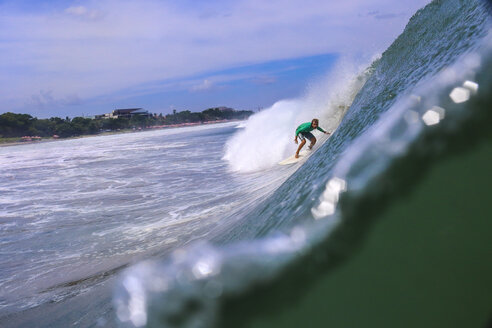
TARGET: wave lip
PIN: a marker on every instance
(186, 289)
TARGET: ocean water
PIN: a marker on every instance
(76, 212)
(387, 223)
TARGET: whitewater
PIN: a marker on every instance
(76, 211)
(387, 223)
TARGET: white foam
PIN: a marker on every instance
(268, 136)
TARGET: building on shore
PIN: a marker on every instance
(125, 113)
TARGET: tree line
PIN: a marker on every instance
(17, 125)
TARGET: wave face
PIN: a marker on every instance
(427, 97)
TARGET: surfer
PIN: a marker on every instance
(303, 131)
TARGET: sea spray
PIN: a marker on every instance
(268, 136)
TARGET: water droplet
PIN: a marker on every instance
(460, 95)
(433, 116)
(472, 86)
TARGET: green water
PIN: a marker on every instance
(426, 262)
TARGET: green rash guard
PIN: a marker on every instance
(306, 127)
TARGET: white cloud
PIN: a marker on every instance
(205, 85)
(83, 12)
(45, 99)
(78, 11)
(100, 47)
(265, 79)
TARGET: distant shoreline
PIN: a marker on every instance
(4, 142)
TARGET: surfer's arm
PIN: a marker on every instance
(323, 130)
(298, 130)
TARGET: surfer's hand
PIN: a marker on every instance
(295, 140)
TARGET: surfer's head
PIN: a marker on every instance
(315, 122)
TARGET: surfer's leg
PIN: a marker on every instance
(313, 141)
(303, 142)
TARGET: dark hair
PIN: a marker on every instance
(315, 120)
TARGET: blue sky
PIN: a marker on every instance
(72, 58)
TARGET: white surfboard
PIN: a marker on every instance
(292, 159)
